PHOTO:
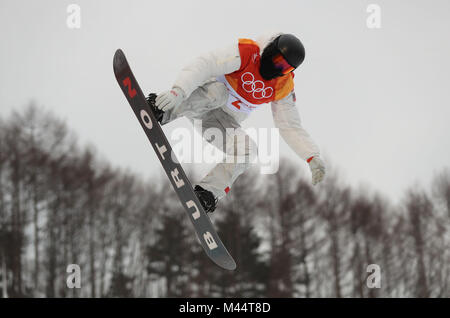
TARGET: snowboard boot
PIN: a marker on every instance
(206, 198)
(158, 113)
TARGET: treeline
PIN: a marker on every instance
(61, 204)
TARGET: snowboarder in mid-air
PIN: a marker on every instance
(223, 87)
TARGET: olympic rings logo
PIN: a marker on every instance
(257, 88)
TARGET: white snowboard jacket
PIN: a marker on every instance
(227, 60)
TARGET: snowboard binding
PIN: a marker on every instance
(206, 198)
(158, 113)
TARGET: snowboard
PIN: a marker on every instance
(203, 227)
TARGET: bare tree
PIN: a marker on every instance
(334, 207)
(419, 208)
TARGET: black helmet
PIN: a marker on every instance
(284, 54)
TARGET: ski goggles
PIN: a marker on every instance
(282, 65)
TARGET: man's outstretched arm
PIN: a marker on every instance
(200, 70)
(287, 120)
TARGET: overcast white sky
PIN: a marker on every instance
(377, 101)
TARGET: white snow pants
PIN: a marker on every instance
(208, 104)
